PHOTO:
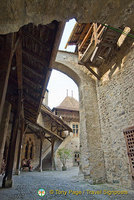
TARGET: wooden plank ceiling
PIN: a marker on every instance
(35, 49)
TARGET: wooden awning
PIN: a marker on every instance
(78, 33)
(41, 131)
(55, 119)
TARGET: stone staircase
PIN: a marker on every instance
(47, 162)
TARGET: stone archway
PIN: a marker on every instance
(92, 159)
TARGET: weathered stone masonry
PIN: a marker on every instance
(92, 159)
(116, 108)
(106, 108)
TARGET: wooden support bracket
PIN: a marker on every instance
(92, 71)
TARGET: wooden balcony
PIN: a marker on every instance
(96, 44)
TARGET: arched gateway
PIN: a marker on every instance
(92, 159)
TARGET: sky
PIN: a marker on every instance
(59, 83)
(67, 31)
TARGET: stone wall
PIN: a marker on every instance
(106, 108)
(116, 108)
(71, 143)
(36, 148)
(14, 14)
(92, 156)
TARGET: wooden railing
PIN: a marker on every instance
(94, 34)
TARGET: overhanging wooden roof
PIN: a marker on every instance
(55, 118)
(41, 131)
(35, 53)
(78, 33)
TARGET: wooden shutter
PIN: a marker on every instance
(129, 137)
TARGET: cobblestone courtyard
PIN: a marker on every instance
(28, 183)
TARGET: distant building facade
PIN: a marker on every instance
(68, 110)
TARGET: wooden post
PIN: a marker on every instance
(20, 89)
(95, 33)
(40, 157)
(7, 180)
(4, 128)
(86, 38)
(6, 56)
(52, 154)
(20, 147)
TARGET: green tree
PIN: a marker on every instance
(64, 154)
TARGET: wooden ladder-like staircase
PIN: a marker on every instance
(106, 47)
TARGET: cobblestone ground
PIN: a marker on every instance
(26, 185)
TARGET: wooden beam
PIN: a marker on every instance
(29, 106)
(92, 71)
(22, 123)
(98, 28)
(35, 57)
(53, 128)
(86, 28)
(29, 89)
(48, 139)
(30, 99)
(19, 64)
(52, 59)
(30, 82)
(31, 119)
(86, 38)
(33, 71)
(30, 36)
(31, 111)
(95, 33)
(90, 63)
(52, 153)
(29, 115)
(7, 180)
(16, 44)
(99, 34)
(57, 120)
(43, 129)
(40, 156)
(5, 64)
(4, 128)
(123, 36)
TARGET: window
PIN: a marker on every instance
(75, 128)
(29, 149)
(76, 159)
(26, 150)
(129, 137)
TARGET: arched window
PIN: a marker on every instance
(76, 158)
(26, 150)
(31, 151)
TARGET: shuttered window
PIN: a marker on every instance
(75, 128)
(129, 137)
